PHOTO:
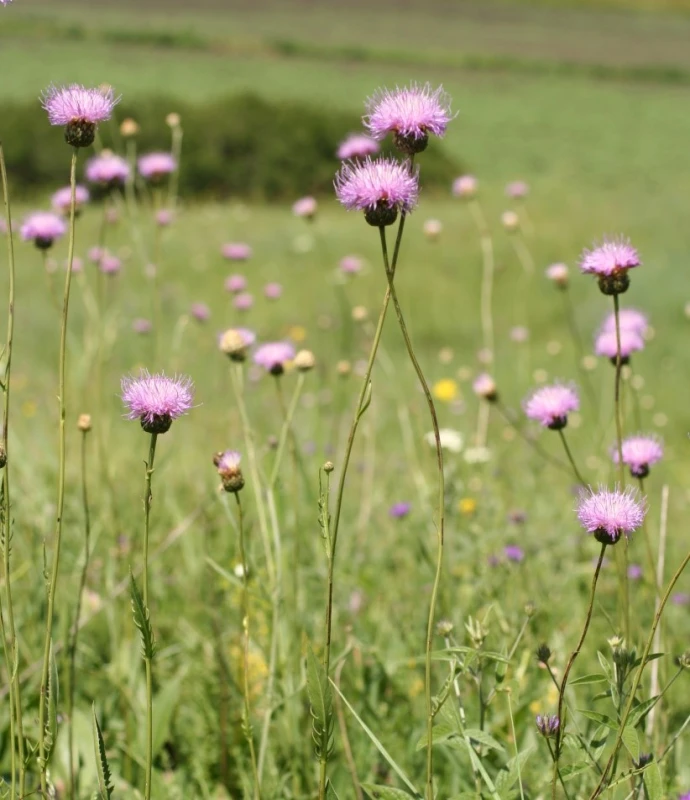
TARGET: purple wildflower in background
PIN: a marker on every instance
(156, 400)
(236, 251)
(517, 189)
(235, 283)
(43, 228)
(606, 344)
(399, 510)
(550, 405)
(273, 291)
(164, 217)
(635, 572)
(77, 265)
(62, 199)
(155, 166)
(107, 169)
(109, 264)
(5, 2)
(629, 319)
(465, 186)
(95, 254)
(243, 301)
(200, 311)
(610, 262)
(351, 264)
(547, 725)
(142, 325)
(485, 386)
(79, 109)
(410, 114)
(558, 273)
(640, 452)
(381, 188)
(305, 207)
(273, 356)
(681, 599)
(609, 515)
(514, 552)
(357, 145)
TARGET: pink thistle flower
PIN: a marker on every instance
(640, 452)
(273, 356)
(606, 344)
(550, 405)
(410, 114)
(228, 465)
(79, 109)
(235, 283)
(243, 301)
(273, 291)
(635, 572)
(381, 188)
(558, 273)
(200, 311)
(236, 251)
(77, 265)
(609, 515)
(156, 400)
(629, 319)
(305, 207)
(110, 264)
(351, 264)
(485, 386)
(164, 217)
(61, 201)
(465, 186)
(95, 254)
(514, 552)
(357, 145)
(142, 326)
(155, 166)
(107, 169)
(517, 189)
(519, 334)
(610, 262)
(43, 228)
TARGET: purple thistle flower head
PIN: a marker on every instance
(243, 301)
(109, 264)
(550, 405)
(514, 552)
(381, 188)
(235, 283)
(62, 199)
(640, 452)
(79, 109)
(43, 228)
(156, 400)
(273, 356)
(681, 599)
(629, 319)
(465, 186)
(606, 344)
(95, 254)
(155, 166)
(635, 572)
(228, 466)
(517, 189)
(610, 514)
(107, 169)
(200, 311)
(357, 145)
(351, 264)
(410, 114)
(273, 291)
(164, 217)
(142, 326)
(547, 725)
(236, 251)
(610, 262)
(305, 207)
(558, 273)
(399, 510)
(485, 386)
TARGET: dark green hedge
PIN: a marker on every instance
(241, 146)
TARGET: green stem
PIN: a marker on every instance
(52, 588)
(245, 649)
(13, 653)
(147, 661)
(564, 683)
(638, 676)
(286, 428)
(149, 728)
(568, 453)
(441, 513)
(487, 275)
(325, 518)
(72, 647)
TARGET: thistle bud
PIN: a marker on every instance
(543, 654)
(84, 423)
(129, 127)
(228, 465)
(233, 344)
(304, 360)
(548, 725)
(328, 467)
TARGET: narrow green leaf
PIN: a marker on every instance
(105, 788)
(573, 770)
(602, 719)
(650, 657)
(142, 621)
(631, 741)
(640, 710)
(384, 792)
(164, 704)
(440, 733)
(593, 677)
(321, 702)
(505, 780)
(652, 781)
(481, 737)
(479, 767)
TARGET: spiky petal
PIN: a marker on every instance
(610, 514)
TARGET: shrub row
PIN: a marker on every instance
(238, 146)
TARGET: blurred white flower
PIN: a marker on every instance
(477, 455)
(450, 439)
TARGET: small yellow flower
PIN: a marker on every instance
(536, 707)
(298, 333)
(416, 687)
(445, 390)
(468, 505)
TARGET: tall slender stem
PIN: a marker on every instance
(147, 513)
(441, 513)
(568, 452)
(74, 634)
(7, 533)
(43, 755)
(325, 522)
(564, 683)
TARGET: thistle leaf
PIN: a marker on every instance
(321, 702)
(142, 621)
(105, 789)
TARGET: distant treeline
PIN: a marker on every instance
(238, 146)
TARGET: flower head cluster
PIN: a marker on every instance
(228, 465)
(399, 510)
(610, 514)
(610, 262)
(273, 356)
(606, 344)
(357, 145)
(513, 552)
(43, 228)
(62, 199)
(410, 114)
(273, 291)
(236, 251)
(155, 166)
(156, 400)
(640, 452)
(107, 169)
(79, 109)
(381, 188)
(550, 405)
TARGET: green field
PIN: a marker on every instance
(602, 155)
